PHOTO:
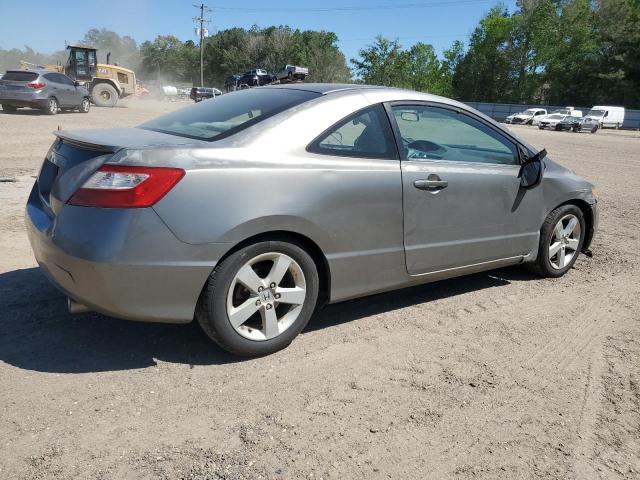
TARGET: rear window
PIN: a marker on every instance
(228, 114)
(20, 76)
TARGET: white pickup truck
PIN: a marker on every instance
(527, 117)
(292, 72)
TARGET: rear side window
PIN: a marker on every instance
(20, 76)
(364, 134)
(229, 114)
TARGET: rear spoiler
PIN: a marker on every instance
(76, 139)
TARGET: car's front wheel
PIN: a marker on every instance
(8, 108)
(561, 239)
(260, 298)
(85, 106)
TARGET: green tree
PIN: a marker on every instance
(382, 63)
(168, 59)
(124, 50)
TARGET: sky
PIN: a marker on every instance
(46, 25)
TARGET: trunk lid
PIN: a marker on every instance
(76, 155)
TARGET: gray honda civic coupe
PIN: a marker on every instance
(248, 212)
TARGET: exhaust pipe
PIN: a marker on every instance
(75, 307)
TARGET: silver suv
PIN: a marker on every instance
(44, 90)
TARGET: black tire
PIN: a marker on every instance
(8, 108)
(85, 106)
(594, 129)
(542, 266)
(52, 106)
(212, 315)
(540, 128)
(290, 75)
(104, 95)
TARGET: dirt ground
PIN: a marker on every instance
(495, 376)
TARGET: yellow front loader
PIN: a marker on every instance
(107, 83)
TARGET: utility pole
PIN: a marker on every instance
(203, 9)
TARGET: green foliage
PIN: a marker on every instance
(578, 52)
(385, 63)
(167, 58)
(237, 50)
(10, 59)
(124, 50)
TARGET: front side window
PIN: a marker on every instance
(229, 114)
(434, 133)
(365, 134)
(64, 80)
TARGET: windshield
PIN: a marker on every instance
(229, 114)
(530, 111)
(556, 116)
(565, 112)
(596, 113)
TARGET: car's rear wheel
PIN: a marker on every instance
(85, 106)
(561, 239)
(259, 298)
(8, 108)
(52, 106)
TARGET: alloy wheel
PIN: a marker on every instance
(266, 296)
(564, 242)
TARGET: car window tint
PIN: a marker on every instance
(364, 134)
(228, 114)
(52, 77)
(433, 133)
(64, 79)
(20, 76)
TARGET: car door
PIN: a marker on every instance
(60, 89)
(462, 200)
(362, 194)
(74, 93)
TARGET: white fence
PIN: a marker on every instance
(500, 111)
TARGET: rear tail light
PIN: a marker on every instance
(116, 186)
(36, 85)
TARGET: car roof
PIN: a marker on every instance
(326, 88)
(39, 71)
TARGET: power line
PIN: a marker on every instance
(203, 9)
(400, 6)
(414, 37)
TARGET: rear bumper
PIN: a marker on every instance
(34, 101)
(122, 263)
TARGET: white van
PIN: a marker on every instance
(612, 117)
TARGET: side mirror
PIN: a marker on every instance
(76, 83)
(409, 116)
(532, 170)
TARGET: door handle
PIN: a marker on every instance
(430, 184)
